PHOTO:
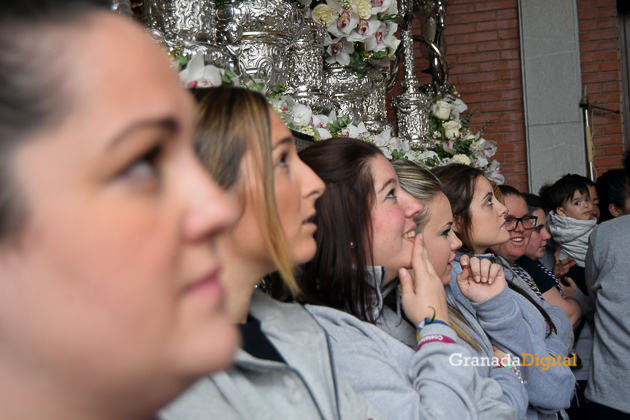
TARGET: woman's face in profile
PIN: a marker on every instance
(392, 215)
(113, 283)
(488, 218)
(439, 238)
(296, 189)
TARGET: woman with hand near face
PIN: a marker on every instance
(366, 239)
(515, 323)
(435, 223)
(110, 301)
(284, 369)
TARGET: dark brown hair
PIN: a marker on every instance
(34, 93)
(458, 184)
(337, 276)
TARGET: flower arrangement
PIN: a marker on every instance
(197, 74)
(453, 141)
(361, 33)
(300, 118)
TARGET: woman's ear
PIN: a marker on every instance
(561, 211)
(614, 210)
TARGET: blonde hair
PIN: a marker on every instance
(232, 122)
(424, 187)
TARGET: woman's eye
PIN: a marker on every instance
(283, 159)
(391, 194)
(446, 233)
(145, 166)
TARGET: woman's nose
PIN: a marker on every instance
(414, 207)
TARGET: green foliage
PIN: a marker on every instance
(397, 155)
(383, 17)
(339, 124)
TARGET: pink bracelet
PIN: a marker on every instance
(434, 338)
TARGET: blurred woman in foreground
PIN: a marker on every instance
(110, 302)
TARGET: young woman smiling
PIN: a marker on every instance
(365, 240)
(515, 323)
(284, 369)
(110, 302)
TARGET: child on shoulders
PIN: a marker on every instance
(570, 219)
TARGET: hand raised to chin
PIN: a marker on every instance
(422, 290)
(480, 279)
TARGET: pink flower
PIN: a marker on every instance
(192, 84)
(337, 47)
(377, 3)
(379, 36)
(363, 26)
(344, 19)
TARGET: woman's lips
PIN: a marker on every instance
(208, 285)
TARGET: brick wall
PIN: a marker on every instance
(484, 59)
(600, 66)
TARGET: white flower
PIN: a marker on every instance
(322, 13)
(373, 25)
(427, 154)
(489, 148)
(480, 162)
(461, 159)
(339, 51)
(442, 110)
(449, 147)
(493, 172)
(459, 105)
(362, 8)
(451, 129)
(302, 114)
(476, 145)
(198, 75)
(324, 134)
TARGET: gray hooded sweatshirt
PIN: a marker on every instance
(403, 382)
(515, 325)
(608, 279)
(571, 234)
(307, 387)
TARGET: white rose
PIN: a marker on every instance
(461, 159)
(324, 14)
(362, 8)
(442, 110)
(451, 129)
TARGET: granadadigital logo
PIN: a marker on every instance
(458, 359)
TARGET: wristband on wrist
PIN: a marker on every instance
(426, 322)
(434, 338)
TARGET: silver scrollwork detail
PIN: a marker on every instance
(181, 19)
(375, 106)
(412, 106)
(347, 90)
(307, 68)
(258, 33)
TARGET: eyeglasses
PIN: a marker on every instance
(528, 222)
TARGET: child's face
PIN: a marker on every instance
(579, 207)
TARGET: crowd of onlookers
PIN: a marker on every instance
(136, 224)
